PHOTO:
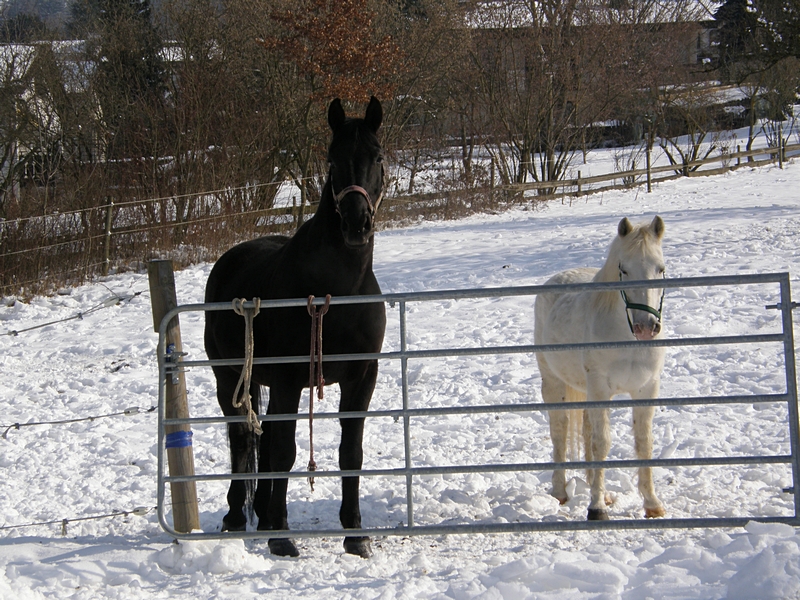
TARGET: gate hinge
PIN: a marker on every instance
(779, 306)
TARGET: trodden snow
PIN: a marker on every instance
(741, 222)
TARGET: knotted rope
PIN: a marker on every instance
(247, 369)
(315, 377)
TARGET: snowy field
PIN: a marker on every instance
(742, 222)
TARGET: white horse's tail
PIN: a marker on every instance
(575, 433)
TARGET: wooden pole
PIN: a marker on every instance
(180, 456)
(107, 245)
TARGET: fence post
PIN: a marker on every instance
(179, 442)
(301, 213)
(107, 243)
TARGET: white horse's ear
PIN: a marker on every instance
(336, 114)
(624, 227)
(658, 227)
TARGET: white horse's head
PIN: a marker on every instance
(636, 252)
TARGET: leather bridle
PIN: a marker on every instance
(373, 206)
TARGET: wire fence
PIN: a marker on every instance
(39, 254)
(139, 511)
(64, 522)
(114, 300)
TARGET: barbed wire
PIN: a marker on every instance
(114, 300)
(139, 511)
(133, 410)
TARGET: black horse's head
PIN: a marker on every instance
(356, 171)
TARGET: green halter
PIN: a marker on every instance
(633, 306)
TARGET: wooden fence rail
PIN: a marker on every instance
(40, 254)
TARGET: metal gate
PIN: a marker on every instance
(169, 364)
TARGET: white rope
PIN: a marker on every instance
(247, 369)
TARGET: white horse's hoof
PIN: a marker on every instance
(654, 513)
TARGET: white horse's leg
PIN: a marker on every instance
(643, 440)
(587, 446)
(599, 447)
(554, 390)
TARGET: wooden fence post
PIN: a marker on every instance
(107, 241)
(180, 456)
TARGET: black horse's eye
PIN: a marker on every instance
(379, 160)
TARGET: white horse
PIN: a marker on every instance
(574, 376)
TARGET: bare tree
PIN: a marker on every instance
(319, 51)
(547, 70)
(15, 119)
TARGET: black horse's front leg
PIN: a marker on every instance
(351, 457)
(243, 445)
(278, 453)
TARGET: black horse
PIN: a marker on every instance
(330, 254)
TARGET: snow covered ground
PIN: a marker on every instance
(742, 222)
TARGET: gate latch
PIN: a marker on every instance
(779, 306)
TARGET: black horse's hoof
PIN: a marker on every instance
(233, 526)
(360, 546)
(596, 514)
(283, 547)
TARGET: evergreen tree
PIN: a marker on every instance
(738, 32)
(780, 21)
(129, 76)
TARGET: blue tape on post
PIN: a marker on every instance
(179, 439)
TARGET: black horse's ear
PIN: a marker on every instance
(336, 115)
(374, 114)
(624, 227)
(658, 227)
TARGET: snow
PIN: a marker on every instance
(742, 222)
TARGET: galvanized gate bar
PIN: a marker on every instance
(482, 350)
(444, 411)
(507, 292)
(489, 528)
(407, 413)
(712, 461)
(785, 307)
